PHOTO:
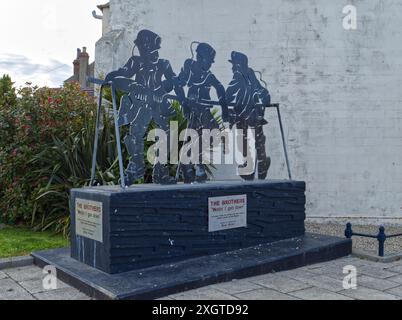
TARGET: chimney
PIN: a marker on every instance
(83, 67)
(105, 17)
(76, 64)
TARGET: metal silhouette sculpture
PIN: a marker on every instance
(147, 81)
(250, 99)
(197, 76)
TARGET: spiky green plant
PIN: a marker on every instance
(67, 164)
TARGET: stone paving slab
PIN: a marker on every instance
(397, 268)
(397, 291)
(321, 281)
(207, 293)
(296, 273)
(26, 283)
(280, 283)
(393, 264)
(24, 273)
(375, 283)
(11, 290)
(237, 286)
(315, 293)
(397, 279)
(264, 294)
(61, 294)
(363, 293)
(36, 286)
(376, 270)
(335, 272)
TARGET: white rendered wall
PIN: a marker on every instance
(340, 91)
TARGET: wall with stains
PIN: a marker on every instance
(340, 91)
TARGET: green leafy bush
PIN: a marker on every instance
(44, 146)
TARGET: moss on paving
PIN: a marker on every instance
(16, 241)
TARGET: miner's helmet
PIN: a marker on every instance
(239, 59)
(205, 50)
(148, 40)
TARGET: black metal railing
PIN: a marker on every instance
(381, 237)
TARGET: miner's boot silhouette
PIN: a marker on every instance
(263, 168)
(161, 175)
(133, 173)
(188, 173)
(200, 174)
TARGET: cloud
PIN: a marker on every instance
(49, 72)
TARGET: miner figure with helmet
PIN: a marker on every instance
(250, 100)
(197, 76)
(145, 79)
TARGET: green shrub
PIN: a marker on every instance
(32, 126)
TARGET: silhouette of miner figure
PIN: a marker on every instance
(199, 79)
(250, 99)
(147, 79)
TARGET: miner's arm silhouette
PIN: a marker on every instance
(128, 71)
(220, 91)
(184, 79)
(172, 82)
(121, 78)
(236, 91)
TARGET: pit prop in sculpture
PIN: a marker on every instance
(147, 81)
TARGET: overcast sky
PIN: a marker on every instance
(38, 39)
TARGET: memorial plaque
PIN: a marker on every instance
(227, 213)
(88, 217)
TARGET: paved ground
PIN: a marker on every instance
(376, 281)
(25, 283)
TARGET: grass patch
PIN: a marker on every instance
(16, 241)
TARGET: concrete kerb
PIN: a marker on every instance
(16, 262)
(374, 257)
